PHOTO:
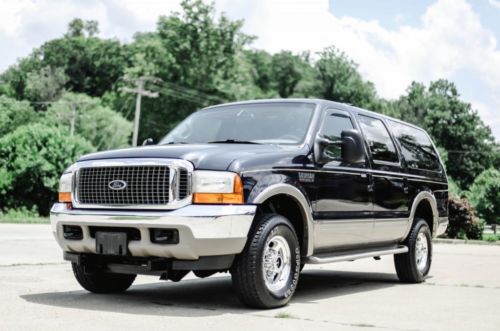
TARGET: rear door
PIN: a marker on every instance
(343, 208)
(390, 185)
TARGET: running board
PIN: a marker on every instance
(354, 255)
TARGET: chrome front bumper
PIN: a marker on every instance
(203, 230)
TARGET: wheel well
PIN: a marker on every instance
(288, 207)
(424, 210)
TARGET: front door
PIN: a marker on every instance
(343, 208)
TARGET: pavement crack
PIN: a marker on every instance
(358, 325)
(463, 285)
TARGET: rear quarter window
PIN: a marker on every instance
(416, 147)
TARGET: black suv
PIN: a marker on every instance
(259, 189)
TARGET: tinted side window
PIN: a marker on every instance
(416, 147)
(379, 140)
(332, 128)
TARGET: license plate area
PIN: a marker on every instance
(111, 243)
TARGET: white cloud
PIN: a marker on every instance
(495, 3)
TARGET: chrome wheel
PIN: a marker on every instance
(421, 251)
(276, 263)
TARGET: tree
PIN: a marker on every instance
(86, 64)
(484, 194)
(195, 53)
(286, 72)
(31, 160)
(453, 125)
(98, 124)
(78, 27)
(339, 80)
(46, 84)
(14, 113)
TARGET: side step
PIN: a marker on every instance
(354, 255)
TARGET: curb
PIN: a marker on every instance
(466, 242)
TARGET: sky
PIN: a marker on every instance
(394, 42)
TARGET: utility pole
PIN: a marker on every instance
(140, 91)
(72, 119)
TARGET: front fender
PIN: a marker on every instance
(275, 184)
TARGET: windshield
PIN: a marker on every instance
(262, 123)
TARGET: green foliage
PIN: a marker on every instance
(454, 126)
(46, 84)
(453, 189)
(78, 27)
(31, 160)
(464, 223)
(14, 113)
(339, 80)
(195, 53)
(485, 195)
(286, 72)
(22, 215)
(98, 124)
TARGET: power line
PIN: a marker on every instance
(140, 91)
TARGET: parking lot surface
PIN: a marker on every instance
(38, 292)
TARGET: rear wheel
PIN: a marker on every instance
(266, 273)
(412, 267)
(100, 282)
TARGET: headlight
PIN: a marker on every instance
(217, 187)
(65, 184)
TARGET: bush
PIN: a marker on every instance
(14, 113)
(464, 223)
(32, 158)
(485, 195)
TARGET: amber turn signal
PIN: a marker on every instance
(64, 196)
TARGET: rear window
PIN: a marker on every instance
(416, 147)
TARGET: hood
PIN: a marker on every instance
(208, 156)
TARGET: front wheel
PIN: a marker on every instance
(100, 282)
(266, 273)
(412, 267)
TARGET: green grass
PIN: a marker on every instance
(24, 220)
(491, 237)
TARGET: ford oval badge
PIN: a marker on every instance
(117, 185)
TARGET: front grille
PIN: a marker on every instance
(145, 185)
(184, 184)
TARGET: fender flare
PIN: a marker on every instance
(424, 195)
(298, 196)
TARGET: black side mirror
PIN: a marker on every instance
(351, 144)
(148, 141)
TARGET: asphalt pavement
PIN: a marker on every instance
(38, 292)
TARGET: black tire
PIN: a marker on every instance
(247, 271)
(406, 264)
(101, 282)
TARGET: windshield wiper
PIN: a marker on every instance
(175, 142)
(233, 141)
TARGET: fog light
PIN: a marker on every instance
(72, 232)
(164, 236)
